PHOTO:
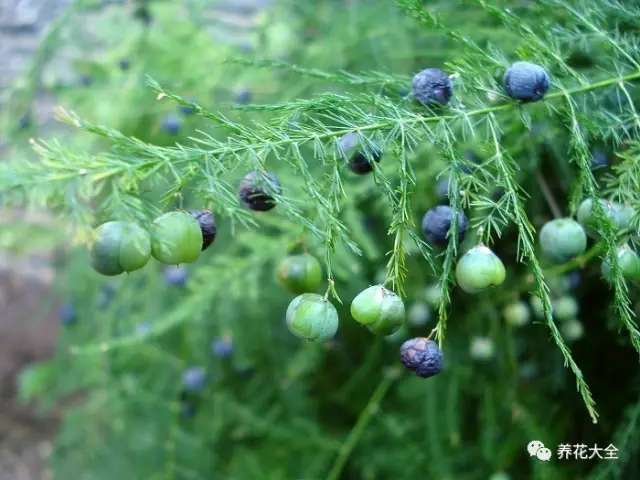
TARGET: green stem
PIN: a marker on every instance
(363, 420)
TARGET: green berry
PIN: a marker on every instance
(572, 330)
(481, 348)
(628, 263)
(300, 273)
(379, 309)
(617, 215)
(479, 269)
(562, 240)
(517, 314)
(565, 308)
(500, 476)
(537, 307)
(432, 295)
(312, 317)
(119, 247)
(176, 238)
(418, 314)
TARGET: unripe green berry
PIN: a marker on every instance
(482, 348)
(572, 330)
(562, 239)
(500, 476)
(565, 308)
(432, 295)
(176, 238)
(517, 314)
(628, 263)
(617, 215)
(479, 269)
(119, 247)
(537, 307)
(312, 317)
(300, 273)
(379, 309)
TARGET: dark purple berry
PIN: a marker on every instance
(207, 225)
(360, 162)
(186, 109)
(67, 314)
(176, 275)
(432, 86)
(422, 356)
(222, 347)
(25, 121)
(171, 125)
(599, 160)
(436, 223)
(526, 81)
(253, 194)
(142, 14)
(573, 279)
(124, 64)
(242, 97)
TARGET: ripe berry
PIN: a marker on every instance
(222, 347)
(599, 160)
(86, 80)
(360, 157)
(432, 87)
(526, 81)
(572, 330)
(171, 125)
(562, 239)
(207, 225)
(418, 314)
(186, 109)
(422, 356)
(300, 273)
(479, 269)
(124, 64)
(176, 238)
(312, 317)
(176, 276)
(628, 263)
(194, 378)
(119, 247)
(253, 194)
(565, 308)
(481, 348)
(143, 15)
(242, 97)
(517, 313)
(379, 309)
(25, 121)
(67, 314)
(436, 224)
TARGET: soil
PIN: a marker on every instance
(25, 435)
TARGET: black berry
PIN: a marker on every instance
(360, 162)
(422, 356)
(124, 64)
(207, 225)
(437, 222)
(254, 196)
(526, 81)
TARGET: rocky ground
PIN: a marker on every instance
(25, 336)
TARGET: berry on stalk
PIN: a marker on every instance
(300, 273)
(562, 240)
(379, 309)
(479, 269)
(253, 194)
(312, 317)
(176, 238)
(526, 81)
(436, 224)
(422, 356)
(207, 226)
(119, 247)
(432, 87)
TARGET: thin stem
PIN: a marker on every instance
(363, 420)
(546, 191)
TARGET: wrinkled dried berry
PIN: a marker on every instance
(422, 356)
(253, 194)
(207, 225)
